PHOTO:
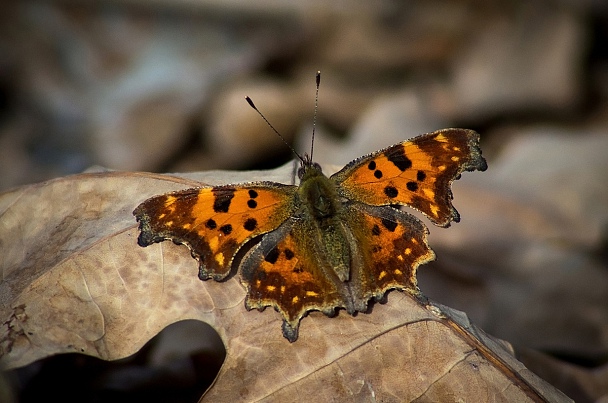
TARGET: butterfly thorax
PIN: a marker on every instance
(318, 194)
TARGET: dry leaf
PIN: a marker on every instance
(75, 280)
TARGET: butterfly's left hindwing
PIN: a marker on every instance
(417, 173)
(284, 272)
(214, 222)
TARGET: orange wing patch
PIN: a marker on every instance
(416, 173)
(214, 222)
(390, 246)
(280, 272)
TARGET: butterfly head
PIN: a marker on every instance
(308, 168)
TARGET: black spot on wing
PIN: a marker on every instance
(250, 224)
(389, 225)
(226, 229)
(397, 156)
(375, 230)
(412, 186)
(391, 191)
(223, 198)
(272, 256)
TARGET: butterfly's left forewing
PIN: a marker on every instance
(417, 173)
(214, 222)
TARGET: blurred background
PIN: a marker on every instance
(160, 86)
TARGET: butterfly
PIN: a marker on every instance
(329, 242)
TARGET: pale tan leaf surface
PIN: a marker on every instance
(75, 280)
(401, 352)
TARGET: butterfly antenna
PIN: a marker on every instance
(314, 118)
(250, 102)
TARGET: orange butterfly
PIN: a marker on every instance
(331, 242)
